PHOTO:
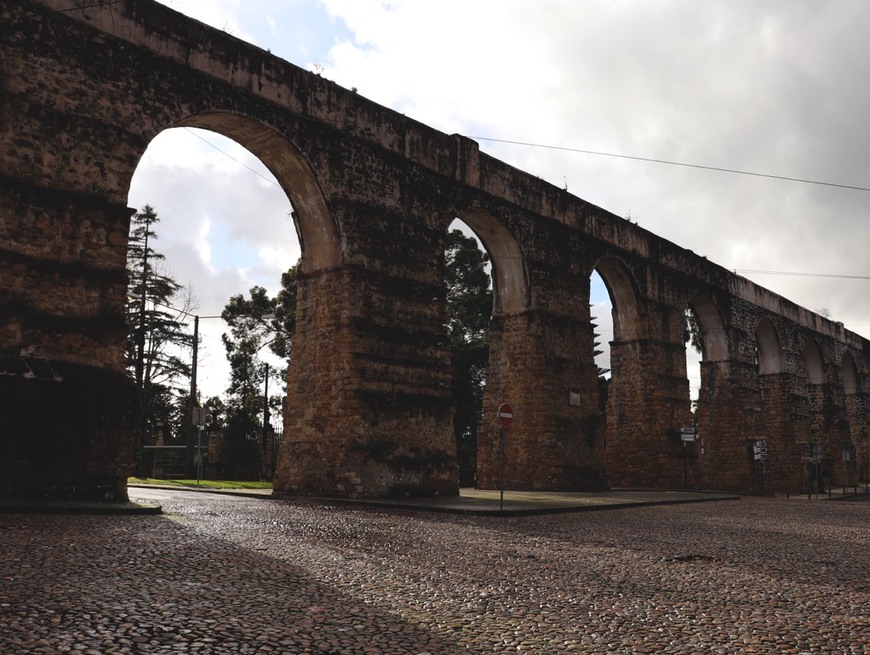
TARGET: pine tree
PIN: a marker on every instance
(158, 340)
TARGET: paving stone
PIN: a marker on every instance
(223, 575)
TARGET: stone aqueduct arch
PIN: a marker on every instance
(368, 412)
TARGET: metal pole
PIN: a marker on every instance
(685, 467)
(502, 433)
(762, 478)
(198, 453)
(265, 425)
(192, 399)
(265, 409)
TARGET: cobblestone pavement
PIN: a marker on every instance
(229, 575)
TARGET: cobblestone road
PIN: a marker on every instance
(230, 575)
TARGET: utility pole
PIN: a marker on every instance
(265, 411)
(191, 427)
(266, 461)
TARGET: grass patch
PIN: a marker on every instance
(207, 484)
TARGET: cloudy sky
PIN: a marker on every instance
(770, 87)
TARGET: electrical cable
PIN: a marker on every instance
(240, 163)
(834, 275)
(673, 163)
(99, 3)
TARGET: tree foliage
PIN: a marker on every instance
(158, 337)
(256, 322)
(469, 308)
(694, 335)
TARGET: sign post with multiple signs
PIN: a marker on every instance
(505, 418)
(687, 435)
(759, 454)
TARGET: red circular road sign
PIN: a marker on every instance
(505, 415)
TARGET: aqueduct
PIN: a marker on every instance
(85, 86)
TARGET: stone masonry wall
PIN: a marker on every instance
(82, 93)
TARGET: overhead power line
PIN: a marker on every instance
(796, 273)
(672, 163)
(741, 270)
(99, 3)
(240, 163)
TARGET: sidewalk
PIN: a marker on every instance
(483, 502)
(470, 501)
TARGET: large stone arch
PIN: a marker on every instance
(770, 357)
(714, 335)
(818, 419)
(854, 437)
(713, 443)
(849, 375)
(625, 297)
(316, 230)
(814, 362)
(511, 297)
(510, 278)
(315, 226)
(648, 396)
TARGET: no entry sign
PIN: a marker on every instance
(505, 415)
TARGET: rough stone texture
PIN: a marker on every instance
(82, 93)
(371, 378)
(240, 576)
